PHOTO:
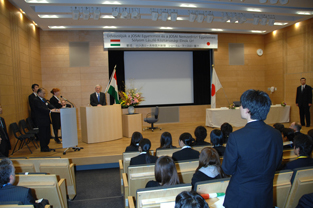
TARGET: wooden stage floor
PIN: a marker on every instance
(111, 152)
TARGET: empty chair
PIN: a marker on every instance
(31, 133)
(152, 118)
(19, 136)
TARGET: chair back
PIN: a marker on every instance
(23, 126)
(156, 112)
(281, 187)
(30, 122)
(212, 186)
(15, 129)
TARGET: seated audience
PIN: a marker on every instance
(302, 148)
(288, 135)
(296, 127)
(190, 199)
(217, 141)
(134, 143)
(200, 134)
(144, 157)
(165, 173)
(186, 153)
(306, 201)
(209, 166)
(310, 133)
(279, 127)
(166, 141)
(226, 129)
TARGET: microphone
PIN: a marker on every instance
(63, 98)
(67, 100)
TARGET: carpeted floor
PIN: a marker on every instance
(97, 188)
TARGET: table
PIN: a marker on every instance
(131, 123)
(215, 117)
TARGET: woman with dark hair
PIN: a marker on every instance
(288, 135)
(186, 153)
(190, 199)
(56, 121)
(166, 141)
(165, 173)
(217, 141)
(200, 134)
(209, 166)
(134, 143)
(144, 157)
(226, 129)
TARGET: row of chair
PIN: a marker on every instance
(288, 187)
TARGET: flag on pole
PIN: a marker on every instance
(215, 86)
(112, 87)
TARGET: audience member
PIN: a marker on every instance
(5, 144)
(186, 153)
(217, 141)
(296, 127)
(209, 166)
(288, 135)
(144, 157)
(31, 98)
(252, 155)
(279, 126)
(302, 148)
(165, 173)
(190, 199)
(200, 134)
(310, 133)
(226, 129)
(56, 121)
(166, 141)
(134, 143)
(305, 201)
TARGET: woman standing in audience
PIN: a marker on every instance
(209, 166)
(226, 129)
(134, 143)
(144, 157)
(165, 173)
(166, 141)
(200, 134)
(217, 141)
(56, 121)
(186, 153)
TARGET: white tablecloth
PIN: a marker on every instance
(215, 117)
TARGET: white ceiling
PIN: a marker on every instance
(287, 14)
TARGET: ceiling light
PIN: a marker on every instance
(258, 31)
(216, 29)
(188, 5)
(109, 27)
(256, 20)
(253, 10)
(115, 14)
(242, 19)
(283, 1)
(154, 16)
(225, 17)
(111, 2)
(263, 21)
(305, 13)
(47, 16)
(209, 18)
(75, 14)
(86, 14)
(135, 14)
(200, 18)
(56, 27)
(96, 14)
(173, 16)
(166, 28)
(106, 17)
(281, 23)
(37, 1)
(164, 16)
(192, 17)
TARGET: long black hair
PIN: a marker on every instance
(136, 138)
(145, 145)
(166, 140)
(186, 138)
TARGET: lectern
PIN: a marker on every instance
(101, 124)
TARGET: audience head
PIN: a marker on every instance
(166, 140)
(209, 156)
(296, 126)
(144, 146)
(165, 171)
(98, 88)
(226, 129)
(190, 199)
(279, 126)
(35, 87)
(302, 145)
(310, 132)
(7, 172)
(136, 138)
(216, 137)
(55, 91)
(200, 133)
(185, 139)
(41, 92)
(288, 134)
(257, 103)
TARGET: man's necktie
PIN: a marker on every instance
(98, 97)
(302, 88)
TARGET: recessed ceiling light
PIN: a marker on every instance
(37, 1)
(111, 2)
(109, 27)
(188, 5)
(48, 16)
(166, 28)
(280, 23)
(107, 17)
(253, 10)
(56, 27)
(258, 31)
(213, 29)
(304, 13)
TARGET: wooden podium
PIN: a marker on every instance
(131, 123)
(101, 124)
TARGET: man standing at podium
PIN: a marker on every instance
(97, 98)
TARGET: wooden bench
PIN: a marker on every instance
(58, 166)
(47, 187)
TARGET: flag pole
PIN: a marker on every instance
(110, 79)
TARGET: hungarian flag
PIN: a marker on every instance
(215, 86)
(112, 87)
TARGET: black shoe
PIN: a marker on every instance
(307, 125)
(58, 141)
(46, 150)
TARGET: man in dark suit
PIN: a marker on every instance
(252, 155)
(5, 144)
(31, 98)
(97, 98)
(42, 111)
(304, 101)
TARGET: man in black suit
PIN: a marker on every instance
(97, 98)
(252, 155)
(304, 101)
(31, 98)
(5, 144)
(42, 111)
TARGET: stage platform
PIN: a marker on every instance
(108, 153)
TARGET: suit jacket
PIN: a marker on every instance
(198, 143)
(305, 97)
(5, 145)
(56, 122)
(299, 163)
(252, 155)
(94, 99)
(42, 111)
(152, 184)
(220, 150)
(185, 154)
(16, 193)
(31, 98)
(141, 159)
(199, 176)
(131, 148)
